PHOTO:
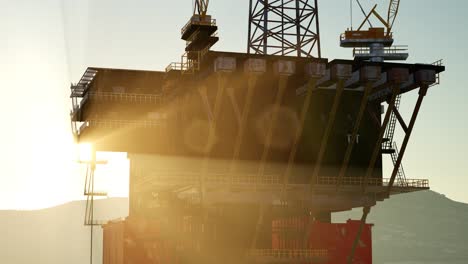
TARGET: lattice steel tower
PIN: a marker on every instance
(284, 27)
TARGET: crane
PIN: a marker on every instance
(392, 13)
(200, 34)
(376, 43)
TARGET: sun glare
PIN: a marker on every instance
(112, 170)
(84, 152)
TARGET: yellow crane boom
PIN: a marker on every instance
(391, 16)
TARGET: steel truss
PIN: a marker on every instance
(284, 27)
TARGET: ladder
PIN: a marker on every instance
(401, 177)
(391, 126)
(91, 194)
(390, 146)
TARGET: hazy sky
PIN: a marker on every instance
(47, 44)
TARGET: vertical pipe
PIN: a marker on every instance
(349, 149)
(249, 41)
(378, 145)
(327, 133)
(282, 27)
(318, 29)
(265, 27)
(422, 94)
(93, 168)
(298, 30)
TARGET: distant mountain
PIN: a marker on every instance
(55, 235)
(415, 228)
(423, 227)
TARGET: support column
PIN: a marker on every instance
(292, 154)
(378, 145)
(349, 149)
(422, 94)
(365, 213)
(252, 83)
(221, 78)
(328, 130)
(283, 82)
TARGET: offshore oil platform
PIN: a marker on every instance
(243, 157)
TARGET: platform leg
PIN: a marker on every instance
(365, 213)
(378, 144)
(283, 81)
(349, 149)
(292, 154)
(328, 131)
(422, 94)
(252, 82)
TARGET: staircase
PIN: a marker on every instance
(391, 127)
(90, 193)
(390, 146)
(401, 177)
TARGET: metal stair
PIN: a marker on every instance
(390, 146)
(91, 193)
(401, 177)
(391, 127)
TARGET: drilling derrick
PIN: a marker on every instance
(284, 28)
(243, 157)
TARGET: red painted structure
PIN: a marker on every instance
(336, 239)
(141, 241)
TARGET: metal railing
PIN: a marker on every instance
(124, 123)
(127, 97)
(289, 253)
(174, 66)
(384, 50)
(82, 127)
(189, 178)
(410, 183)
(437, 63)
(211, 22)
(354, 37)
(173, 177)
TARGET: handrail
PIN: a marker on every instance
(174, 66)
(212, 22)
(438, 63)
(176, 177)
(343, 35)
(169, 177)
(386, 50)
(132, 97)
(289, 253)
(124, 123)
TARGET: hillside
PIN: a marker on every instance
(414, 228)
(55, 235)
(423, 227)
